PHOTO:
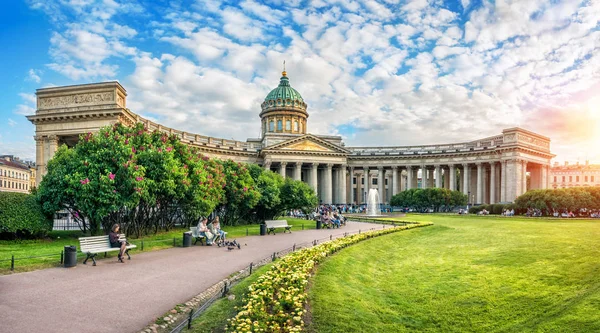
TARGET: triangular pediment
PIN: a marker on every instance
(308, 143)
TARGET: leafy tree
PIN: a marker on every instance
(296, 194)
(269, 184)
(21, 216)
(240, 194)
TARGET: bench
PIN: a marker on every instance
(274, 224)
(201, 238)
(91, 246)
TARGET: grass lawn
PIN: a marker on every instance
(215, 317)
(47, 251)
(464, 274)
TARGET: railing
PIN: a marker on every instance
(490, 142)
(200, 140)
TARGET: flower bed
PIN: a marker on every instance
(275, 302)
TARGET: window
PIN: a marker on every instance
(592, 179)
(563, 179)
(296, 126)
(288, 125)
(271, 126)
(279, 125)
(354, 180)
(386, 181)
(374, 181)
(577, 179)
(586, 178)
(362, 181)
(570, 178)
(555, 179)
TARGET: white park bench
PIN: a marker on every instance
(201, 238)
(274, 224)
(91, 246)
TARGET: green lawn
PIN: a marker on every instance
(465, 274)
(47, 251)
(215, 317)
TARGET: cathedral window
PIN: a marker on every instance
(279, 125)
(271, 126)
(296, 126)
(288, 125)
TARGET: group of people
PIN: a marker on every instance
(533, 212)
(508, 212)
(211, 231)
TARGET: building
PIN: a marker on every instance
(15, 176)
(574, 175)
(488, 170)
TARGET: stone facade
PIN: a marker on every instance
(574, 175)
(489, 170)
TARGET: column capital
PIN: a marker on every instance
(478, 164)
(380, 168)
(283, 163)
(298, 163)
(315, 165)
(329, 165)
(343, 165)
(465, 165)
(394, 167)
(436, 166)
(451, 166)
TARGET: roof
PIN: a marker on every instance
(14, 164)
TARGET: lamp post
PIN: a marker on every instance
(468, 199)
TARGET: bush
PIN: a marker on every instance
(21, 217)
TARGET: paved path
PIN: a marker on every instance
(115, 297)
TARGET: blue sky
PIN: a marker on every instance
(377, 72)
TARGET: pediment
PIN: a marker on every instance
(308, 143)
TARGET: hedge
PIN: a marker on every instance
(495, 209)
(275, 302)
(21, 217)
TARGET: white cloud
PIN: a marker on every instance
(34, 75)
(11, 122)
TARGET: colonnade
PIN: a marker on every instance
(482, 182)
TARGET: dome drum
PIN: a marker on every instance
(284, 110)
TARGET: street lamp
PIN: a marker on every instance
(468, 199)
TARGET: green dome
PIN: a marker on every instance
(284, 92)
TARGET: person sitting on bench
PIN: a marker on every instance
(335, 220)
(204, 231)
(216, 228)
(113, 238)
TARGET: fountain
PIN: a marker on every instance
(373, 203)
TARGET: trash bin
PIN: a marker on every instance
(263, 229)
(319, 224)
(70, 256)
(187, 239)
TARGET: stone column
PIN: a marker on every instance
(367, 185)
(327, 189)
(524, 177)
(409, 177)
(465, 176)
(343, 184)
(40, 163)
(452, 178)
(545, 177)
(423, 176)
(380, 183)
(493, 182)
(313, 177)
(401, 181)
(298, 171)
(267, 165)
(394, 180)
(352, 199)
(479, 182)
(438, 176)
(446, 178)
(503, 181)
(282, 168)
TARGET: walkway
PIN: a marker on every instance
(115, 297)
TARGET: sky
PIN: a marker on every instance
(376, 72)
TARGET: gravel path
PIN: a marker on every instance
(116, 297)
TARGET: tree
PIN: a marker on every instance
(240, 193)
(296, 194)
